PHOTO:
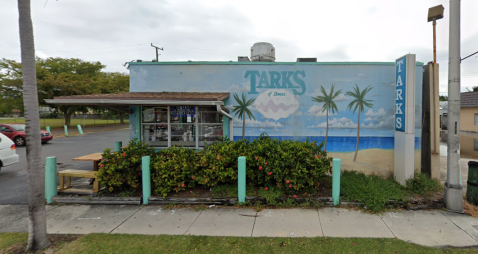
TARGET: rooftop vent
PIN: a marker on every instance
(307, 59)
(243, 59)
(263, 52)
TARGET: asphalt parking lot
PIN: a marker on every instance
(13, 178)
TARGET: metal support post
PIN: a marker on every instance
(336, 181)
(50, 179)
(453, 188)
(241, 179)
(146, 179)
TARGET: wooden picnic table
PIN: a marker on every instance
(94, 157)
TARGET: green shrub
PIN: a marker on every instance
(293, 167)
(422, 184)
(174, 169)
(120, 171)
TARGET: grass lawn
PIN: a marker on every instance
(59, 123)
(114, 243)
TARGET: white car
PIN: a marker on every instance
(8, 154)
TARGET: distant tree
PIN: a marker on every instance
(328, 104)
(242, 110)
(443, 98)
(62, 77)
(359, 102)
(475, 88)
(37, 234)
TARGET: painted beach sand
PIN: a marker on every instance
(377, 161)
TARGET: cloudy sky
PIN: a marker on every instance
(117, 31)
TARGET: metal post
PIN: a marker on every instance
(79, 129)
(66, 131)
(336, 181)
(434, 42)
(50, 179)
(453, 188)
(241, 179)
(118, 145)
(146, 179)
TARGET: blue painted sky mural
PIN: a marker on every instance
(284, 93)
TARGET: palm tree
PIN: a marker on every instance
(37, 235)
(359, 103)
(329, 104)
(242, 109)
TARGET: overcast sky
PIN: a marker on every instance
(117, 31)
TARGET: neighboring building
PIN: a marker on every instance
(469, 112)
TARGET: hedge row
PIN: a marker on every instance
(293, 165)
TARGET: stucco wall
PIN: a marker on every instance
(467, 119)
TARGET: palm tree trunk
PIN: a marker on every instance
(37, 235)
(326, 131)
(244, 124)
(358, 134)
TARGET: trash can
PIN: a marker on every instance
(472, 183)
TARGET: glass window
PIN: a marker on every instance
(210, 126)
(183, 126)
(476, 119)
(475, 144)
(155, 126)
(186, 126)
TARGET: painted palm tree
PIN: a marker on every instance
(37, 235)
(359, 102)
(242, 109)
(328, 105)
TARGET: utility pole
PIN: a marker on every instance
(157, 48)
(453, 186)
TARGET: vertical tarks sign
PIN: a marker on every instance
(404, 153)
(400, 93)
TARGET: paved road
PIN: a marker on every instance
(13, 178)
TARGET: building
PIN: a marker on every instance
(349, 105)
(469, 112)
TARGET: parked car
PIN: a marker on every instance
(8, 154)
(16, 132)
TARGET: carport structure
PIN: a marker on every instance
(165, 119)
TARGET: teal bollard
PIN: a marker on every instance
(79, 129)
(66, 131)
(50, 179)
(48, 129)
(336, 181)
(241, 179)
(146, 179)
(118, 145)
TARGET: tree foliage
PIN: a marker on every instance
(59, 77)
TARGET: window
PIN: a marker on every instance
(188, 126)
(183, 126)
(210, 125)
(476, 119)
(155, 126)
(475, 144)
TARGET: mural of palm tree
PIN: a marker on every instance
(242, 109)
(359, 102)
(328, 104)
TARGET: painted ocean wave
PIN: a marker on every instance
(344, 144)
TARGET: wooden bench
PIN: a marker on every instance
(69, 173)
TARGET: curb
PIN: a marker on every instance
(326, 201)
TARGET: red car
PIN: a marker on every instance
(16, 132)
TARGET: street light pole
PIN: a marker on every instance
(453, 186)
(434, 41)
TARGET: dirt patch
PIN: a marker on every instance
(470, 209)
(56, 240)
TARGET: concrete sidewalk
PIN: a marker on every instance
(431, 228)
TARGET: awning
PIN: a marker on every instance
(144, 99)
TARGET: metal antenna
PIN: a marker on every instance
(157, 48)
